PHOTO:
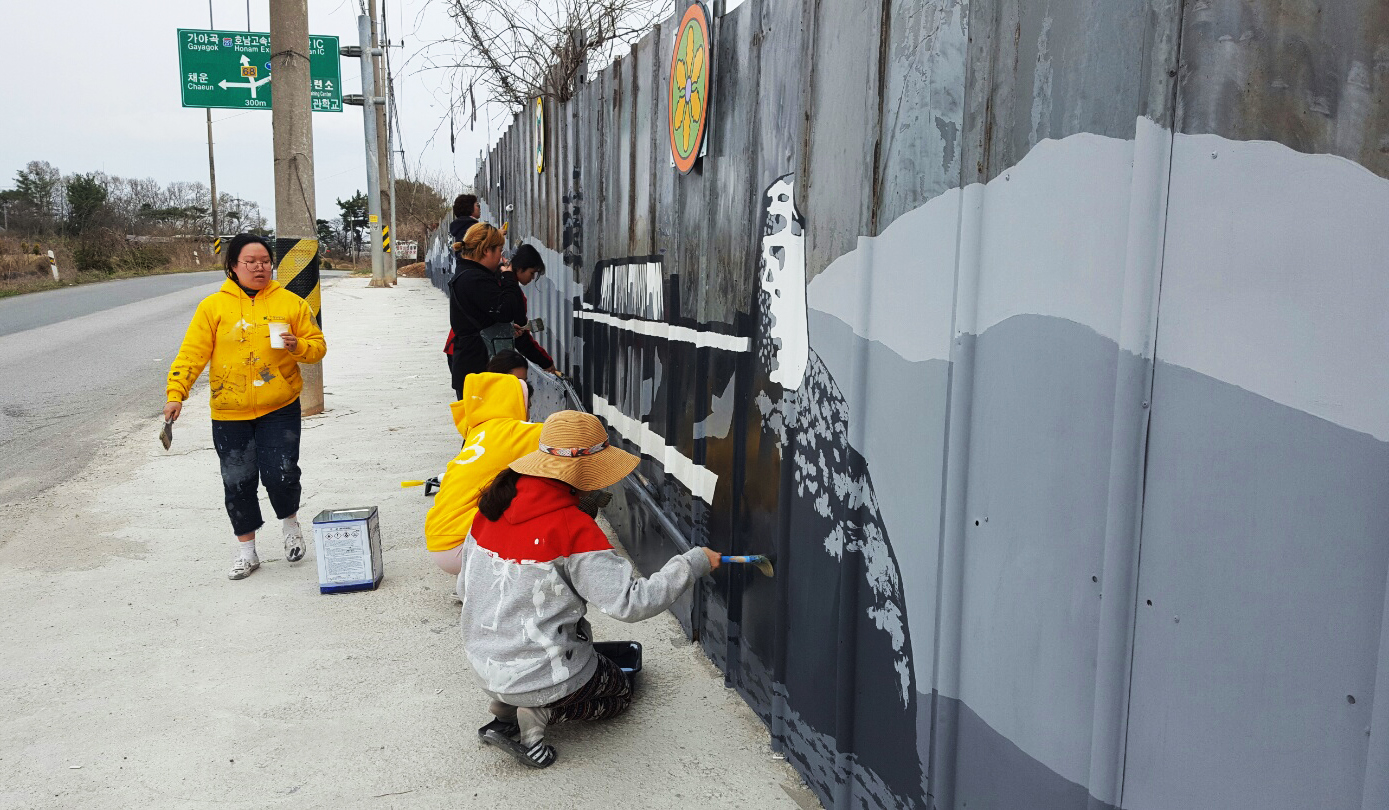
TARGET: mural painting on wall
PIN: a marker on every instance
(839, 545)
(689, 87)
(647, 344)
(572, 220)
(538, 135)
(849, 645)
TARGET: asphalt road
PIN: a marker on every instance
(52, 306)
(77, 361)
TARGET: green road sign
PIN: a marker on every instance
(231, 69)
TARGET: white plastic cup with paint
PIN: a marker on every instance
(277, 334)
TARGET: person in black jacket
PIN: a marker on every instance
(466, 211)
(526, 266)
(480, 297)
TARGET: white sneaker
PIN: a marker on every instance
(242, 568)
(294, 544)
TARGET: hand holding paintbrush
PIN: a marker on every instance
(758, 561)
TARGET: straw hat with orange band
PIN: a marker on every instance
(574, 448)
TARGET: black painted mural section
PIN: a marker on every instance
(821, 651)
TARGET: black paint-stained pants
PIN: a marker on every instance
(607, 694)
(255, 450)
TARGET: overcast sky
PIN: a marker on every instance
(93, 85)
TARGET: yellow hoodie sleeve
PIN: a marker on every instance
(193, 354)
(312, 345)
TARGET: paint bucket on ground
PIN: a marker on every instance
(626, 654)
(347, 543)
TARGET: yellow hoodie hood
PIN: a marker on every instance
(489, 396)
(491, 418)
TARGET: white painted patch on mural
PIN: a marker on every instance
(1048, 236)
(700, 480)
(633, 289)
(783, 280)
(1052, 236)
(1276, 277)
(720, 418)
(661, 329)
(898, 288)
(1272, 275)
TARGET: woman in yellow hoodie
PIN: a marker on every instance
(492, 418)
(255, 391)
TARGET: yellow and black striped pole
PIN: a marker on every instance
(298, 272)
(217, 246)
(296, 269)
(386, 238)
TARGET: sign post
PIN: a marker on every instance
(231, 70)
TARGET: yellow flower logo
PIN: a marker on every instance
(689, 102)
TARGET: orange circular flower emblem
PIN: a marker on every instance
(689, 87)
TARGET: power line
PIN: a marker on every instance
(390, 94)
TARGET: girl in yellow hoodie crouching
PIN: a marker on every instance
(255, 391)
(491, 416)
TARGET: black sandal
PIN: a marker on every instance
(539, 755)
(506, 728)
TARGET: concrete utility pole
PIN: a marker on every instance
(370, 101)
(383, 137)
(296, 231)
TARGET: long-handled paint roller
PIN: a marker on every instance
(762, 563)
(429, 485)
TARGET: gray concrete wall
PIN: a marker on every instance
(1043, 344)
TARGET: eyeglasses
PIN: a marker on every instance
(256, 263)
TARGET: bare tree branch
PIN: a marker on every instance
(520, 50)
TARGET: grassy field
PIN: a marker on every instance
(20, 286)
(33, 281)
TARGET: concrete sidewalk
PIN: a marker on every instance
(136, 675)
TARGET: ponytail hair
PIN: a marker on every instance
(479, 239)
(498, 495)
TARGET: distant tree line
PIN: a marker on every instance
(46, 202)
(92, 212)
(420, 207)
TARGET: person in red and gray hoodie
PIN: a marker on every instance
(531, 565)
